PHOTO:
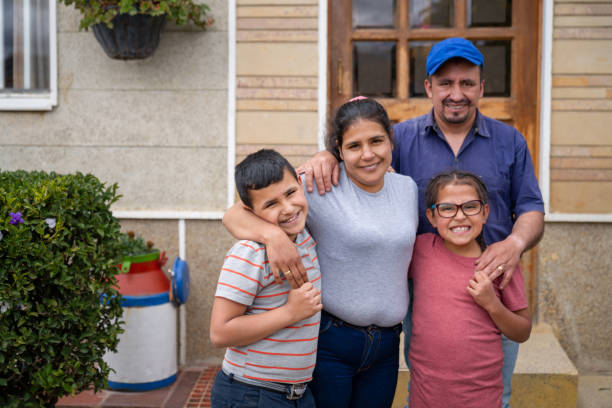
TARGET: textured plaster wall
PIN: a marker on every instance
(574, 282)
(157, 127)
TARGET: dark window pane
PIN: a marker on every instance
(374, 68)
(371, 14)
(497, 66)
(418, 57)
(489, 13)
(431, 13)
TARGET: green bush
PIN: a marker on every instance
(58, 241)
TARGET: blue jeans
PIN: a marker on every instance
(227, 393)
(356, 366)
(509, 347)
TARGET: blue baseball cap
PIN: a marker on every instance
(452, 48)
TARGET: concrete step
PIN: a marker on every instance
(544, 376)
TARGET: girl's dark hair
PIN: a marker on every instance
(259, 170)
(459, 177)
(351, 112)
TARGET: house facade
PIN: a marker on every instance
(268, 73)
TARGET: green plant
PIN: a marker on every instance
(59, 312)
(131, 245)
(103, 11)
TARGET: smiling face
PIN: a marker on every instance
(455, 90)
(282, 203)
(366, 152)
(459, 232)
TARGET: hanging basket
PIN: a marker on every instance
(132, 37)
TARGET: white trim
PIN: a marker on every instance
(169, 215)
(181, 237)
(560, 217)
(12, 102)
(231, 100)
(322, 85)
(182, 313)
(53, 52)
(545, 101)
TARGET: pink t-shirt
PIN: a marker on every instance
(455, 351)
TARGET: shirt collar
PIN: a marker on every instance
(480, 125)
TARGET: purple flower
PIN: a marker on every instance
(15, 218)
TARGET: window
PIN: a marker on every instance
(28, 72)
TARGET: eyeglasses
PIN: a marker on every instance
(449, 210)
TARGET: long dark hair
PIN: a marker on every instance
(354, 110)
(460, 177)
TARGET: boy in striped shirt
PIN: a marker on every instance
(270, 330)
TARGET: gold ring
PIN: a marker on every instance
(288, 272)
(500, 268)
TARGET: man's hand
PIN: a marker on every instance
(501, 258)
(285, 260)
(325, 170)
(303, 302)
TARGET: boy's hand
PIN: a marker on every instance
(324, 168)
(481, 289)
(304, 302)
(285, 260)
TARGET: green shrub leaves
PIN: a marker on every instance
(58, 242)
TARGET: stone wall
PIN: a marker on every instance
(574, 282)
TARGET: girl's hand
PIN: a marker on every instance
(481, 289)
(303, 302)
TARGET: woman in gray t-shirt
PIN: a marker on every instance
(365, 229)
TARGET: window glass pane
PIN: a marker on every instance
(489, 13)
(372, 14)
(497, 66)
(418, 57)
(25, 47)
(431, 13)
(374, 68)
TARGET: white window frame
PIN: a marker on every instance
(39, 102)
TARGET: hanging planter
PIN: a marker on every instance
(132, 36)
(130, 29)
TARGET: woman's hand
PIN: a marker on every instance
(285, 259)
(325, 170)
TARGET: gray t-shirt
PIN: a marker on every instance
(364, 242)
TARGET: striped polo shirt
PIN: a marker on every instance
(289, 355)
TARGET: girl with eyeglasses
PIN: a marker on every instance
(456, 355)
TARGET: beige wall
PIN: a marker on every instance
(581, 142)
(143, 124)
(276, 65)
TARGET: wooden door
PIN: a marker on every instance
(378, 48)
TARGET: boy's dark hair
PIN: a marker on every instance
(459, 177)
(351, 112)
(259, 170)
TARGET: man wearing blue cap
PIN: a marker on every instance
(454, 134)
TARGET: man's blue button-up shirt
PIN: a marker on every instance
(493, 150)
